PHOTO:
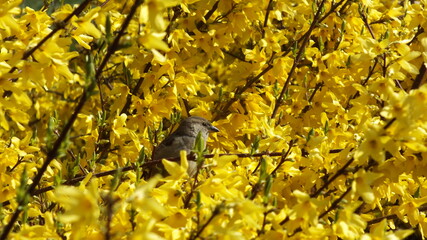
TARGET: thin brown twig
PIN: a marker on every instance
(50, 156)
(54, 151)
(298, 58)
(418, 33)
(333, 8)
(241, 90)
(203, 26)
(216, 212)
(57, 26)
(154, 162)
(340, 172)
(325, 185)
(264, 221)
(305, 37)
(370, 73)
(335, 203)
(211, 12)
(176, 13)
(393, 216)
(316, 88)
(193, 185)
(363, 15)
(112, 48)
(267, 14)
(135, 90)
(110, 211)
(284, 156)
(388, 124)
(421, 77)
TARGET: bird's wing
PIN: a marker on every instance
(172, 145)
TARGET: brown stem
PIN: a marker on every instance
(333, 8)
(216, 212)
(340, 172)
(153, 162)
(283, 159)
(267, 14)
(298, 58)
(241, 90)
(421, 77)
(393, 216)
(371, 72)
(364, 17)
(54, 151)
(58, 26)
(50, 156)
(335, 203)
(134, 91)
(337, 174)
(316, 88)
(201, 25)
(113, 47)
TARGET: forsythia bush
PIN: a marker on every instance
(321, 106)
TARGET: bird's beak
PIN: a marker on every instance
(213, 129)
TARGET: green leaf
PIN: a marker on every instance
(310, 134)
(255, 145)
(199, 148)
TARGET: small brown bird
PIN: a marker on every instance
(183, 138)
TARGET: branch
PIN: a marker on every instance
(269, 7)
(282, 160)
(215, 213)
(50, 156)
(362, 12)
(333, 8)
(341, 171)
(154, 162)
(335, 203)
(371, 72)
(307, 107)
(421, 77)
(393, 216)
(298, 58)
(337, 174)
(57, 26)
(54, 151)
(134, 91)
(239, 91)
(201, 26)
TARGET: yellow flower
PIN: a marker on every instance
(349, 224)
(154, 9)
(409, 209)
(379, 231)
(143, 201)
(85, 31)
(175, 170)
(373, 145)
(7, 21)
(406, 56)
(305, 213)
(81, 207)
(362, 185)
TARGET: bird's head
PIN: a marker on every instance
(194, 125)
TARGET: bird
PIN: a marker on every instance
(184, 138)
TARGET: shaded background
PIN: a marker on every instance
(53, 4)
